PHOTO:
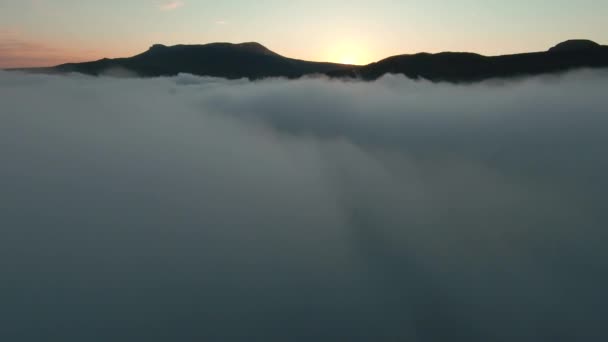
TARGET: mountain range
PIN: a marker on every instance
(254, 61)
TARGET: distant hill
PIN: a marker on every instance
(254, 61)
(470, 67)
(232, 61)
(575, 45)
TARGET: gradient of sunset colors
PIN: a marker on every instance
(50, 32)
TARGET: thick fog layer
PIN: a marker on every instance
(195, 209)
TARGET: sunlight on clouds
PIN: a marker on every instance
(171, 5)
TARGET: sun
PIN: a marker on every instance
(352, 55)
(350, 60)
(348, 53)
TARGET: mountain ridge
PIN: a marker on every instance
(457, 67)
(253, 60)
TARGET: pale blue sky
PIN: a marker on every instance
(356, 31)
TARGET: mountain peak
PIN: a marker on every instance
(255, 47)
(157, 47)
(574, 45)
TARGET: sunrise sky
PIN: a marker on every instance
(49, 32)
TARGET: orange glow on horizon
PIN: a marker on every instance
(19, 50)
(348, 53)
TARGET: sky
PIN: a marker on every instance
(49, 32)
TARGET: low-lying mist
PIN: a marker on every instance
(198, 209)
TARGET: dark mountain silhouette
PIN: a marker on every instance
(575, 45)
(470, 67)
(254, 61)
(246, 60)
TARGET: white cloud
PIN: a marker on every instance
(171, 5)
(316, 210)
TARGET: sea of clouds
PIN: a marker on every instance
(199, 209)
